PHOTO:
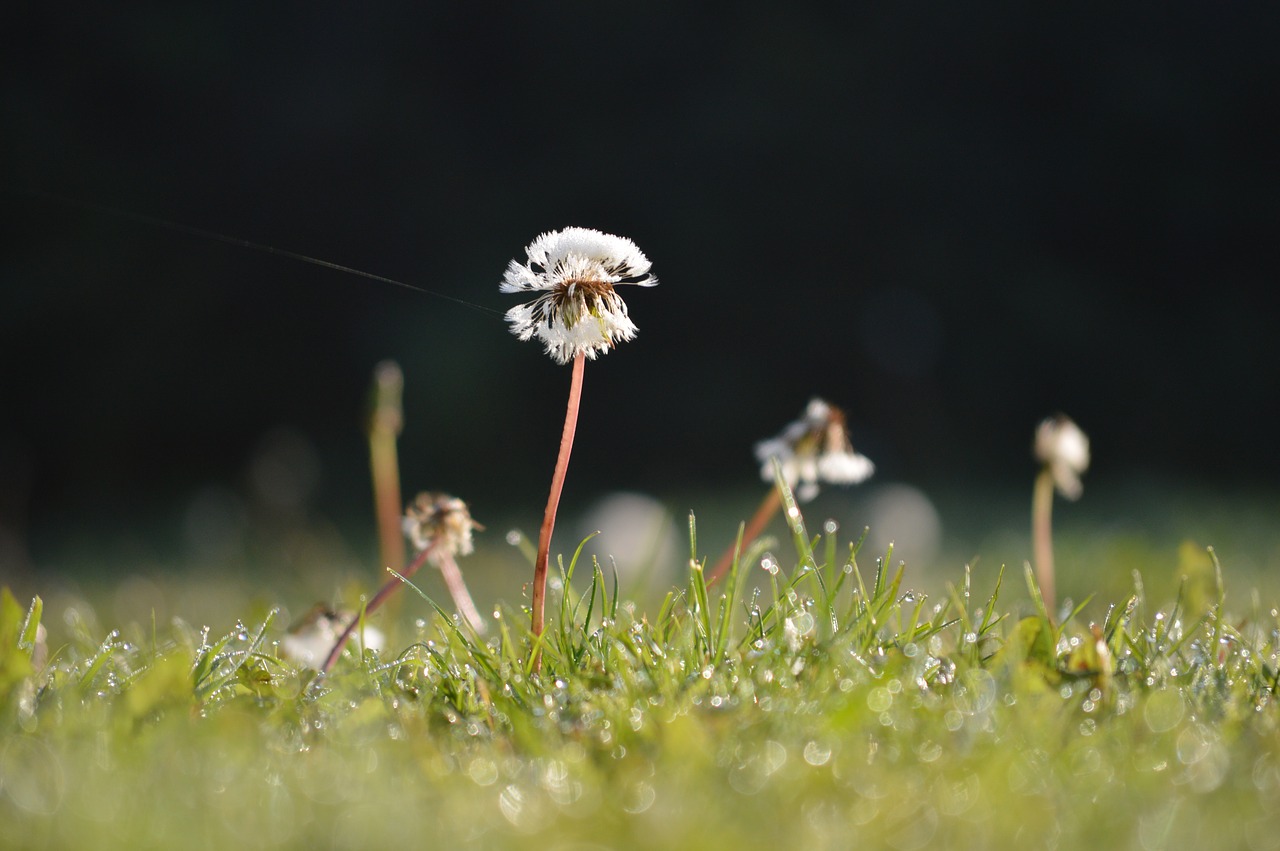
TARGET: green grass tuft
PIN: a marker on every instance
(819, 703)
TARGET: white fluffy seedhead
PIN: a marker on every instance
(577, 310)
(815, 448)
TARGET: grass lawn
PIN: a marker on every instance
(817, 703)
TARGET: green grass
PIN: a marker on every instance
(824, 705)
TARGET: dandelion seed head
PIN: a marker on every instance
(577, 310)
(815, 448)
(441, 522)
(1064, 448)
(309, 640)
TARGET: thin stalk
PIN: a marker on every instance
(458, 591)
(768, 508)
(386, 419)
(378, 599)
(553, 502)
(1042, 536)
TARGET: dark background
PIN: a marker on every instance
(950, 220)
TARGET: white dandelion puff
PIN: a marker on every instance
(577, 314)
(1064, 449)
(815, 448)
(577, 310)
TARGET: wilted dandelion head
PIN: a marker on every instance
(1064, 449)
(815, 448)
(441, 522)
(577, 310)
(308, 642)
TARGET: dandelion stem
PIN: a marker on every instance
(553, 502)
(768, 508)
(1042, 535)
(458, 591)
(384, 592)
(385, 421)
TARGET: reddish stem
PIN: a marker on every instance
(1042, 537)
(553, 502)
(378, 599)
(768, 507)
(458, 591)
(385, 422)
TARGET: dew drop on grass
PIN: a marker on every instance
(482, 771)
(515, 537)
(817, 754)
(928, 751)
(639, 798)
(831, 527)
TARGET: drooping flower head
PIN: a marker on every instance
(577, 310)
(308, 642)
(1064, 449)
(814, 448)
(441, 521)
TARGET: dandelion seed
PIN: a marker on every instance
(308, 642)
(441, 522)
(577, 311)
(815, 448)
(440, 527)
(1064, 449)
(577, 314)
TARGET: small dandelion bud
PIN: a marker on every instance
(815, 448)
(1063, 448)
(440, 522)
(577, 311)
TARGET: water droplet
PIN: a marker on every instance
(816, 754)
(639, 799)
(515, 537)
(484, 772)
(831, 527)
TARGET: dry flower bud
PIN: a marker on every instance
(1064, 449)
(441, 522)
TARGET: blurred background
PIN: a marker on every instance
(950, 221)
